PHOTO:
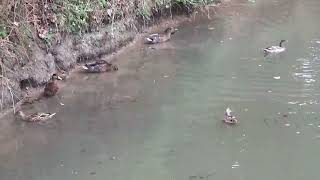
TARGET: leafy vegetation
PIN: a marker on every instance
(21, 21)
(3, 31)
(77, 16)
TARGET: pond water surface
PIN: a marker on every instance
(159, 117)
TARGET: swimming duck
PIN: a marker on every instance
(160, 37)
(229, 118)
(275, 49)
(35, 117)
(51, 87)
(99, 67)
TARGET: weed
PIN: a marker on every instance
(49, 39)
(3, 31)
(144, 12)
(73, 15)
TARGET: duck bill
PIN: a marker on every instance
(149, 40)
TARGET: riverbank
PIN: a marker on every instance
(160, 116)
(62, 36)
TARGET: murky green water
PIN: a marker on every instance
(160, 116)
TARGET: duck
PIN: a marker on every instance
(275, 49)
(52, 87)
(34, 117)
(99, 67)
(160, 37)
(229, 118)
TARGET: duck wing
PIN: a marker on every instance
(272, 48)
(97, 67)
(91, 66)
(153, 38)
(102, 62)
(39, 116)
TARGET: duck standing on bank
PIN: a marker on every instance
(275, 49)
(229, 118)
(99, 67)
(160, 37)
(52, 87)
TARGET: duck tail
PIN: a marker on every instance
(85, 67)
(20, 115)
(50, 115)
(59, 78)
(149, 39)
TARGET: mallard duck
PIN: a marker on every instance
(160, 37)
(51, 87)
(100, 66)
(229, 118)
(35, 117)
(275, 49)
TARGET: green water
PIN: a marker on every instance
(160, 116)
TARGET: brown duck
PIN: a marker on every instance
(99, 67)
(160, 37)
(34, 117)
(51, 87)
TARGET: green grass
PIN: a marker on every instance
(76, 16)
(22, 21)
(73, 15)
(3, 31)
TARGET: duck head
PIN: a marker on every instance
(170, 30)
(282, 41)
(19, 115)
(228, 112)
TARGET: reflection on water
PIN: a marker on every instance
(160, 116)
